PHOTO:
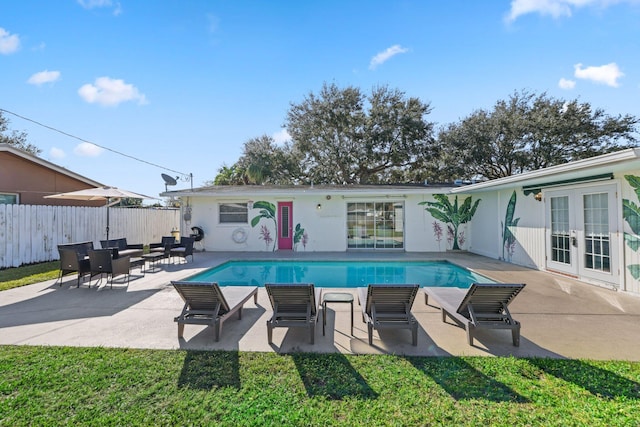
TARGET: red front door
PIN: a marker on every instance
(285, 229)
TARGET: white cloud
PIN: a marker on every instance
(91, 4)
(9, 43)
(110, 92)
(566, 84)
(605, 74)
(555, 8)
(86, 149)
(385, 55)
(281, 136)
(56, 153)
(45, 76)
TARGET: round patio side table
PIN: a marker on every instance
(335, 297)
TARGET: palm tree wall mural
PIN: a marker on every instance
(631, 214)
(508, 237)
(267, 211)
(453, 215)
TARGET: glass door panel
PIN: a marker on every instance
(375, 225)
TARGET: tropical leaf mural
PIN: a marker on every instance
(299, 236)
(453, 215)
(267, 211)
(508, 238)
(631, 214)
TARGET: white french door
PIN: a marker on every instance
(582, 233)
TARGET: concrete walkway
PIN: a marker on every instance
(560, 317)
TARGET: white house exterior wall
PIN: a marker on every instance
(530, 232)
(325, 227)
(487, 228)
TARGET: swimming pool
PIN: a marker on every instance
(340, 274)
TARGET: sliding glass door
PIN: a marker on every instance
(375, 225)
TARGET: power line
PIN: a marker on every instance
(186, 176)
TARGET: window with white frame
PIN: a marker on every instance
(233, 213)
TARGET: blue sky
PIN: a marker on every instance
(184, 84)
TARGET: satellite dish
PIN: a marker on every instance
(168, 180)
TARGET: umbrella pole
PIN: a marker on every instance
(107, 221)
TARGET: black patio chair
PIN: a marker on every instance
(72, 261)
(102, 262)
(185, 249)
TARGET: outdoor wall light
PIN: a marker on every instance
(319, 206)
(538, 196)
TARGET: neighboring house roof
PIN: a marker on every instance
(290, 190)
(35, 159)
(591, 169)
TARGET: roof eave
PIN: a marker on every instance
(589, 164)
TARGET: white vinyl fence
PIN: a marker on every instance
(30, 233)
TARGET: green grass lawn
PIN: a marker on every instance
(28, 274)
(99, 386)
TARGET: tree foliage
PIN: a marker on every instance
(262, 162)
(342, 136)
(15, 138)
(528, 132)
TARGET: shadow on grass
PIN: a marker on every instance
(598, 381)
(464, 382)
(331, 376)
(206, 370)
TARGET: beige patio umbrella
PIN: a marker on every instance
(111, 195)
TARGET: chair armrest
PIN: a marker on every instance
(135, 246)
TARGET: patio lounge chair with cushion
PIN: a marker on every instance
(72, 261)
(294, 305)
(483, 306)
(102, 262)
(209, 304)
(185, 249)
(122, 248)
(388, 306)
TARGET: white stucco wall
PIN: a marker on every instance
(326, 227)
(487, 228)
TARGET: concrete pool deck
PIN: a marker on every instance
(561, 317)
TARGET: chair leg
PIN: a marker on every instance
(414, 334)
(218, 327)
(180, 330)
(370, 332)
(312, 331)
(515, 336)
(269, 332)
(469, 335)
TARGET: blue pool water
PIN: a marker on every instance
(339, 274)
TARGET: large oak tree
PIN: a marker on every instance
(342, 136)
(528, 132)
